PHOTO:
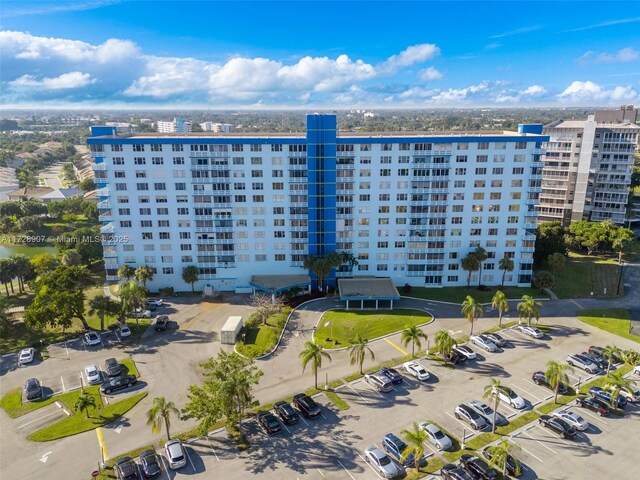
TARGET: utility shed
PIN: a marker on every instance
(230, 330)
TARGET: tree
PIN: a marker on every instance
(313, 353)
(87, 185)
(71, 257)
(143, 274)
(610, 353)
(616, 382)
(470, 264)
(620, 240)
(500, 302)
(265, 306)
(190, 275)
(413, 334)
(7, 274)
(631, 357)
(481, 254)
(132, 297)
(226, 391)
(589, 235)
(84, 402)
(102, 305)
(5, 322)
(321, 266)
(471, 310)
(44, 263)
(160, 413)
(506, 265)
(491, 390)
(556, 261)
(550, 239)
(500, 454)
(21, 267)
(416, 439)
(444, 343)
(543, 279)
(358, 351)
(556, 375)
(126, 271)
(86, 241)
(528, 309)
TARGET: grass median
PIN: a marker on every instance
(612, 320)
(458, 294)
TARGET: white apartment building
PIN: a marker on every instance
(216, 127)
(587, 168)
(409, 207)
(178, 125)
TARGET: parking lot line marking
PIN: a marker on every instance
(558, 438)
(356, 392)
(525, 390)
(338, 460)
(189, 458)
(539, 459)
(303, 419)
(286, 428)
(103, 445)
(370, 467)
(396, 346)
(37, 419)
(428, 445)
(594, 416)
(468, 427)
(320, 472)
(214, 452)
(536, 440)
(62, 380)
(66, 348)
(374, 390)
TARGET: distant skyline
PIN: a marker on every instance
(293, 54)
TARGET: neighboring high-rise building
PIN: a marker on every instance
(407, 206)
(588, 166)
(178, 125)
(216, 127)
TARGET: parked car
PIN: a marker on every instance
(118, 383)
(112, 367)
(632, 395)
(416, 370)
(378, 381)
(636, 370)
(496, 338)
(395, 447)
(453, 472)
(465, 351)
(286, 412)
(513, 465)
(92, 338)
(143, 313)
(483, 342)
(477, 467)
(509, 396)
(455, 357)
(306, 405)
(26, 356)
(175, 453)
(436, 436)
(154, 302)
(594, 405)
(469, 415)
(583, 363)
(126, 469)
(531, 331)
(558, 425)
(161, 323)
(573, 419)
(392, 374)
(539, 378)
(597, 359)
(268, 422)
(381, 463)
(124, 331)
(32, 389)
(93, 374)
(150, 464)
(600, 394)
(600, 352)
(488, 413)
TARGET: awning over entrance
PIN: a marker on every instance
(372, 290)
(274, 284)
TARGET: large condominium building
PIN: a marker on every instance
(587, 168)
(178, 125)
(408, 207)
(216, 127)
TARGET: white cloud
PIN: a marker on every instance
(534, 90)
(64, 81)
(429, 74)
(580, 92)
(410, 56)
(627, 54)
(458, 94)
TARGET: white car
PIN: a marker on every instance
(124, 331)
(636, 370)
(381, 463)
(155, 302)
(436, 436)
(509, 396)
(144, 313)
(417, 370)
(482, 342)
(26, 356)
(175, 454)
(93, 374)
(572, 419)
(92, 338)
(531, 331)
(465, 351)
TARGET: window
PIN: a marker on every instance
(177, 147)
(157, 161)
(276, 148)
(498, 171)
(482, 158)
(116, 148)
(138, 148)
(461, 159)
(479, 184)
(461, 171)
(118, 160)
(167, 270)
(256, 148)
(256, 160)
(139, 161)
(483, 145)
(518, 170)
(159, 186)
(125, 223)
(481, 171)
(142, 186)
(459, 184)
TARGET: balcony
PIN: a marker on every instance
(104, 205)
(102, 192)
(208, 154)
(210, 167)
(534, 189)
(527, 249)
(110, 265)
(99, 167)
(425, 153)
(108, 228)
(298, 179)
(105, 217)
(530, 225)
(298, 167)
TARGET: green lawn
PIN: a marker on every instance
(12, 403)
(583, 275)
(612, 320)
(346, 324)
(258, 340)
(458, 294)
(108, 473)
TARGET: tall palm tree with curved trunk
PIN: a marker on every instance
(132, 297)
(493, 386)
(143, 274)
(313, 353)
(190, 275)
(556, 375)
(416, 439)
(126, 271)
(481, 254)
(610, 353)
(501, 303)
(616, 381)
(413, 334)
(499, 455)
(102, 306)
(444, 343)
(506, 265)
(159, 413)
(358, 351)
(528, 309)
(84, 402)
(471, 310)
(470, 264)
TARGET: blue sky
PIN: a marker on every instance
(368, 54)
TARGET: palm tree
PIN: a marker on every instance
(528, 309)
(494, 386)
(616, 382)
(83, 403)
(143, 274)
(190, 275)
(415, 438)
(126, 271)
(444, 343)
(413, 334)
(358, 351)
(481, 254)
(500, 302)
(631, 357)
(556, 261)
(610, 353)
(161, 412)
(22, 268)
(5, 274)
(499, 455)
(470, 264)
(556, 375)
(471, 310)
(322, 266)
(506, 265)
(102, 305)
(132, 296)
(313, 353)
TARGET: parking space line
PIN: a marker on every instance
(320, 472)
(214, 452)
(527, 391)
(428, 445)
(62, 380)
(343, 467)
(540, 387)
(356, 392)
(530, 453)
(396, 346)
(189, 458)
(536, 440)
(594, 416)
(37, 419)
(373, 389)
(303, 419)
(285, 427)
(468, 427)
(370, 467)
(558, 438)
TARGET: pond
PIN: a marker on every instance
(7, 251)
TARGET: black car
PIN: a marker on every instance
(150, 465)
(32, 389)
(161, 323)
(306, 405)
(477, 467)
(513, 465)
(126, 469)
(453, 472)
(268, 422)
(539, 378)
(594, 405)
(118, 383)
(456, 358)
(392, 374)
(597, 359)
(497, 339)
(600, 352)
(286, 413)
(112, 367)
(557, 425)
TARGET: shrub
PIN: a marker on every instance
(166, 292)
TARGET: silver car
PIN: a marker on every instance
(381, 463)
(175, 454)
(469, 415)
(380, 382)
(487, 412)
(436, 436)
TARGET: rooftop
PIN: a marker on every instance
(367, 288)
(276, 283)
